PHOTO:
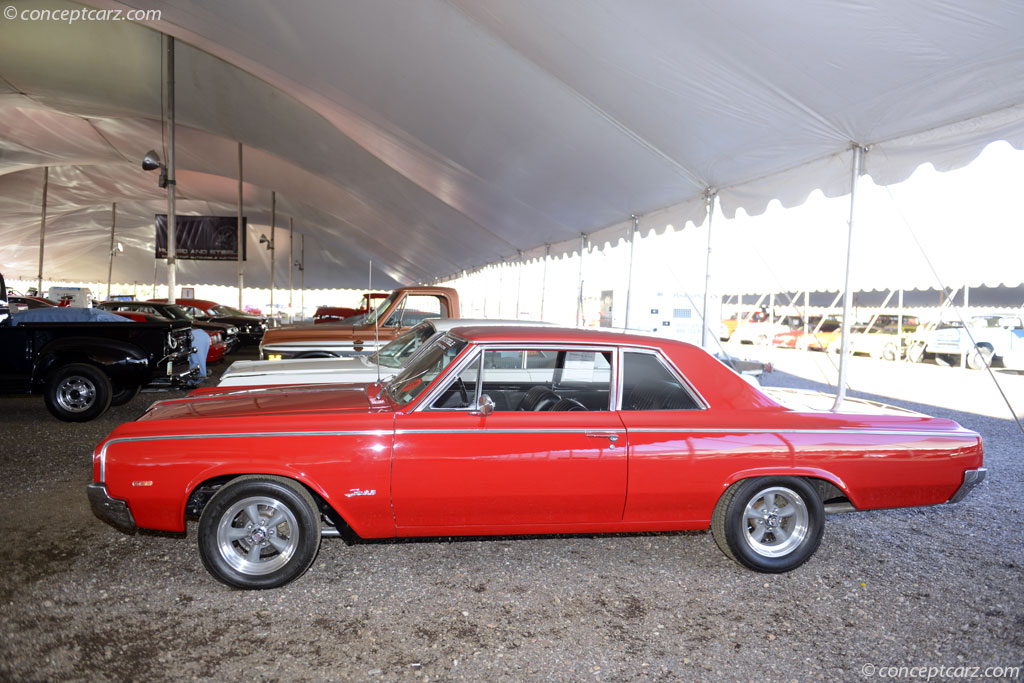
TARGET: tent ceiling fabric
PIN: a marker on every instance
(438, 135)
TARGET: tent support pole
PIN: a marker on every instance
(899, 324)
(110, 261)
(302, 276)
(172, 216)
(858, 156)
(42, 230)
(709, 200)
(579, 282)
(241, 233)
(629, 278)
(544, 279)
(519, 282)
(807, 295)
(273, 233)
(291, 264)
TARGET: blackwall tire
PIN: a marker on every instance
(77, 392)
(259, 532)
(122, 395)
(769, 524)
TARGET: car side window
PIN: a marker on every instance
(647, 384)
(554, 380)
(461, 393)
(419, 307)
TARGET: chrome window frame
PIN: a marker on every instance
(666, 362)
(477, 349)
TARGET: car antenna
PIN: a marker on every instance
(376, 319)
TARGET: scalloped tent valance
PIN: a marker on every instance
(444, 134)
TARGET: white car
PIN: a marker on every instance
(386, 363)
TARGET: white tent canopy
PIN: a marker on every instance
(437, 135)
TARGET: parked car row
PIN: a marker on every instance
(986, 339)
(474, 427)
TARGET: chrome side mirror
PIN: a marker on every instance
(485, 407)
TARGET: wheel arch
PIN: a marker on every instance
(201, 490)
(829, 487)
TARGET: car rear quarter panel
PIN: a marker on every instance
(156, 472)
(878, 461)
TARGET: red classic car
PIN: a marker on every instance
(520, 430)
(332, 314)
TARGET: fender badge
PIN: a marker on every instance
(361, 492)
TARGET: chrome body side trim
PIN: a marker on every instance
(766, 430)
(554, 430)
(971, 479)
(238, 435)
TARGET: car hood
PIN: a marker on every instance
(307, 366)
(272, 402)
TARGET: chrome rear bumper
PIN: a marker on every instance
(111, 510)
(971, 479)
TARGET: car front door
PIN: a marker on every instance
(551, 453)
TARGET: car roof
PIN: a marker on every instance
(445, 324)
(556, 334)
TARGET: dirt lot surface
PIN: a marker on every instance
(941, 586)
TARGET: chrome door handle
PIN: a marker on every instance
(611, 436)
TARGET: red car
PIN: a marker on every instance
(332, 314)
(520, 430)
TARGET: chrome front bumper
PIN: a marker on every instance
(111, 510)
(971, 479)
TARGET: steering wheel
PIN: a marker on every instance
(463, 394)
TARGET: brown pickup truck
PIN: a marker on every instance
(402, 309)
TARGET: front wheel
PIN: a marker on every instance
(123, 394)
(915, 354)
(259, 532)
(769, 524)
(77, 392)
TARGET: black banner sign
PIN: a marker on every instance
(201, 238)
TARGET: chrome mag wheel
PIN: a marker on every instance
(776, 521)
(257, 535)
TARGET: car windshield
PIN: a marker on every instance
(174, 311)
(371, 317)
(427, 365)
(219, 309)
(403, 347)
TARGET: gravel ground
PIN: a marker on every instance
(937, 586)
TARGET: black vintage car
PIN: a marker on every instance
(82, 368)
(175, 312)
(250, 327)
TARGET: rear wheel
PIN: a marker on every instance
(889, 352)
(259, 532)
(769, 524)
(980, 357)
(77, 392)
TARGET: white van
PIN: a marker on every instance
(75, 297)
